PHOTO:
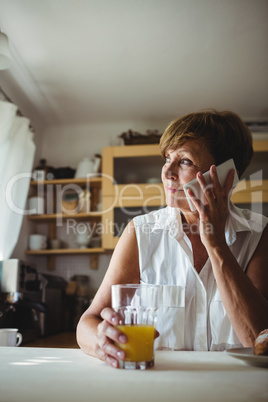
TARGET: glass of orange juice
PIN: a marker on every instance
(136, 305)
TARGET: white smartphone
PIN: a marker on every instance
(222, 171)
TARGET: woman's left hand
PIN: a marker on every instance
(214, 212)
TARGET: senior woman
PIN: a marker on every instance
(210, 264)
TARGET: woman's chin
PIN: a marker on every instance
(179, 204)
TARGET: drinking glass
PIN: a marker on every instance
(136, 305)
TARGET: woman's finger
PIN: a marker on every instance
(109, 348)
(208, 189)
(107, 337)
(112, 362)
(111, 332)
(108, 314)
(197, 203)
(109, 359)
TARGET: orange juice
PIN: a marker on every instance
(140, 344)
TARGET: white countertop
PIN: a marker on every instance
(62, 375)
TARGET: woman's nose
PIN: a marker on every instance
(171, 173)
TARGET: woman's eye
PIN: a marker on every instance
(186, 162)
(167, 160)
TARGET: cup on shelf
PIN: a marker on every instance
(37, 242)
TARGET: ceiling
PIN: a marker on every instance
(100, 61)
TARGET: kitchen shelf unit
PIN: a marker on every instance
(117, 195)
(51, 219)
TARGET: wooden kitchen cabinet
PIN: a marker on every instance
(132, 185)
(49, 189)
(253, 186)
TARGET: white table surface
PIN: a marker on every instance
(62, 375)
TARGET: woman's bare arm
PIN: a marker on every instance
(95, 330)
(244, 295)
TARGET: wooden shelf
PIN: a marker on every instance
(81, 215)
(92, 180)
(132, 151)
(66, 251)
(260, 145)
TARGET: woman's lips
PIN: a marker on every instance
(173, 189)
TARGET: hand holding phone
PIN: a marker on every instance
(222, 172)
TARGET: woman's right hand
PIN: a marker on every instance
(107, 335)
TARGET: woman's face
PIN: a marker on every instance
(181, 166)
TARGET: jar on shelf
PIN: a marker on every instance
(84, 201)
(48, 171)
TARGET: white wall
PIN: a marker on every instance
(63, 146)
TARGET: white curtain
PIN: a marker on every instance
(17, 151)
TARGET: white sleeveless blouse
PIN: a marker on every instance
(191, 314)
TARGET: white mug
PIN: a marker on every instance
(37, 242)
(36, 205)
(10, 337)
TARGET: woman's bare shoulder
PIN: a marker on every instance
(123, 268)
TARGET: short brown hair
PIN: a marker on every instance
(224, 133)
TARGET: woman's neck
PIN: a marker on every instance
(190, 219)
